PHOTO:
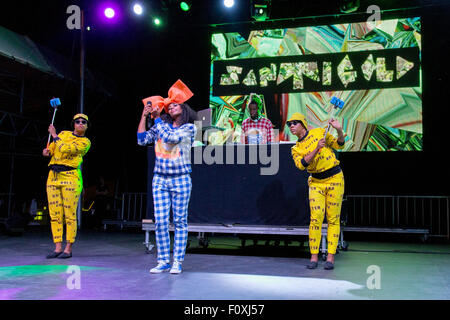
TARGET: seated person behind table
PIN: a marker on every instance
(256, 129)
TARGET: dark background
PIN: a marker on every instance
(135, 59)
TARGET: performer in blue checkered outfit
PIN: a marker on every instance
(173, 136)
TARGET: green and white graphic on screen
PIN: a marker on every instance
(374, 67)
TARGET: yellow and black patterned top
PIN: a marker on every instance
(68, 149)
(325, 159)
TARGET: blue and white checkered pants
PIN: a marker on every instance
(170, 191)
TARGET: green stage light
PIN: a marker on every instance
(260, 9)
(185, 6)
(348, 6)
(37, 270)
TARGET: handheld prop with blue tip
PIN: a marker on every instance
(338, 105)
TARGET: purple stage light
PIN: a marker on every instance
(109, 12)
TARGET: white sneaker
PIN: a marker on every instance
(176, 268)
(160, 268)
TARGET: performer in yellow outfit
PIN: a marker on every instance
(326, 182)
(65, 183)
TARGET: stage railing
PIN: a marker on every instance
(6, 204)
(371, 211)
(406, 212)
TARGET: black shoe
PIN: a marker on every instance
(329, 265)
(53, 255)
(65, 255)
(312, 265)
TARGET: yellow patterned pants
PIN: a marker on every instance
(325, 197)
(63, 191)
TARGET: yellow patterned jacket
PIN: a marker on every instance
(325, 159)
(68, 149)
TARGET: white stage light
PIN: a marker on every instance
(137, 8)
(228, 3)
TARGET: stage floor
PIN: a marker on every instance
(114, 265)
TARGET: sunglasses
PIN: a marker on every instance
(293, 122)
(80, 121)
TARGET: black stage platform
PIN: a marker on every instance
(245, 184)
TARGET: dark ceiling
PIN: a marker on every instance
(45, 21)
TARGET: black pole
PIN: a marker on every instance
(11, 175)
(82, 59)
(81, 109)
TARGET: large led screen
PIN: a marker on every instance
(374, 67)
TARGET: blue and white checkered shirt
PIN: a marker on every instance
(172, 146)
